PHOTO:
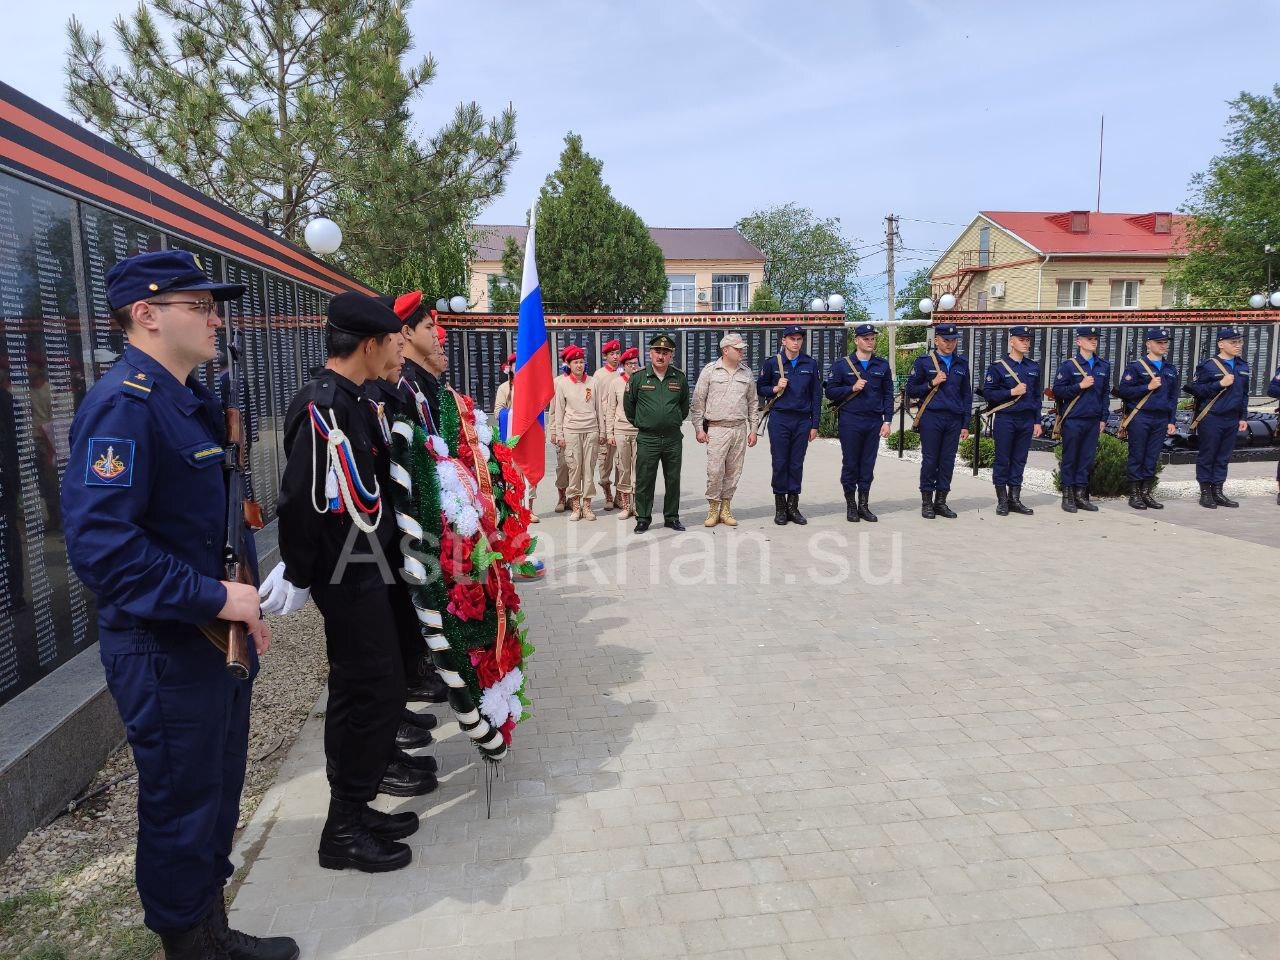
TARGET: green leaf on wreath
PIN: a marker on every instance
(526, 650)
(494, 468)
(526, 569)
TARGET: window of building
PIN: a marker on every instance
(1073, 294)
(982, 300)
(984, 247)
(728, 292)
(680, 293)
(1171, 295)
(504, 294)
(1124, 294)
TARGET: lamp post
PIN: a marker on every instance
(323, 236)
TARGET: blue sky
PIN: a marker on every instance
(704, 110)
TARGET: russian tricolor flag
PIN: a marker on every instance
(531, 383)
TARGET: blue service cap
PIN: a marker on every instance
(862, 329)
(362, 316)
(1156, 333)
(947, 331)
(1088, 331)
(166, 271)
(1229, 333)
(1021, 330)
(792, 328)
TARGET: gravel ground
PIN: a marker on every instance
(67, 892)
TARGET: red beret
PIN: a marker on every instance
(407, 304)
(511, 360)
(440, 334)
(574, 352)
(631, 353)
(611, 345)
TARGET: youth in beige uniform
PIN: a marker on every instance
(576, 429)
(725, 398)
(612, 351)
(620, 433)
(502, 401)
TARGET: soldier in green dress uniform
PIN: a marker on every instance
(657, 402)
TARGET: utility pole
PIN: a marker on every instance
(890, 230)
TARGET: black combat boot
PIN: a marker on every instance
(196, 943)
(1148, 497)
(411, 737)
(851, 506)
(242, 946)
(1136, 499)
(642, 525)
(793, 509)
(403, 780)
(427, 721)
(1002, 500)
(1206, 497)
(1221, 499)
(1083, 502)
(390, 826)
(940, 505)
(414, 762)
(427, 687)
(347, 841)
(1016, 504)
(780, 508)
(926, 504)
(864, 510)
(1068, 498)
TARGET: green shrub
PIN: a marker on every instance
(827, 426)
(986, 452)
(1110, 474)
(902, 369)
(910, 439)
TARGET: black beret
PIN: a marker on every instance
(362, 316)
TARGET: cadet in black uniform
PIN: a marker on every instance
(1012, 387)
(791, 381)
(860, 387)
(940, 382)
(1149, 389)
(1221, 389)
(1082, 386)
(338, 537)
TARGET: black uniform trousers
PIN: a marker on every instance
(366, 685)
(1146, 440)
(939, 441)
(859, 447)
(1012, 434)
(1079, 447)
(788, 443)
(1215, 441)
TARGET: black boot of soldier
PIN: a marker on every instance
(390, 826)
(414, 762)
(403, 780)
(1083, 502)
(427, 687)
(1016, 504)
(780, 508)
(1221, 499)
(851, 506)
(347, 842)
(1206, 497)
(940, 505)
(426, 721)
(242, 946)
(1068, 498)
(793, 509)
(864, 509)
(196, 943)
(926, 504)
(1002, 500)
(409, 737)
(1148, 496)
(1136, 500)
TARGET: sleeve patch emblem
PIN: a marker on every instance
(110, 463)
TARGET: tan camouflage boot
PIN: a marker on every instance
(576, 513)
(624, 500)
(727, 518)
(713, 513)
(608, 494)
(561, 504)
(586, 510)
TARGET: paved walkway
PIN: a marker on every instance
(1052, 737)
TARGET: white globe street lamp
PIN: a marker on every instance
(817, 305)
(1275, 299)
(836, 302)
(323, 236)
(1257, 301)
(458, 304)
(946, 301)
(926, 305)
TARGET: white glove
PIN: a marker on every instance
(279, 596)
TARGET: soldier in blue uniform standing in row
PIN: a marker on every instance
(1273, 390)
(791, 383)
(940, 382)
(1221, 389)
(860, 388)
(144, 500)
(1083, 389)
(1012, 387)
(1148, 388)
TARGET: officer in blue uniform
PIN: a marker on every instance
(1221, 389)
(940, 384)
(792, 383)
(144, 499)
(1273, 390)
(1148, 388)
(1012, 388)
(860, 388)
(1082, 388)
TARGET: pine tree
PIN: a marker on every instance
(763, 300)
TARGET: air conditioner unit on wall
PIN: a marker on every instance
(997, 291)
(702, 296)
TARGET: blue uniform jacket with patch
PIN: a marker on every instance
(1133, 387)
(803, 395)
(998, 385)
(1092, 404)
(1234, 404)
(876, 398)
(1273, 388)
(955, 395)
(144, 503)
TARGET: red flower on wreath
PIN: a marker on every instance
(506, 730)
(498, 583)
(511, 474)
(502, 453)
(486, 666)
(511, 655)
(455, 556)
(467, 601)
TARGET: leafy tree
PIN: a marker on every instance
(594, 253)
(804, 256)
(917, 287)
(440, 269)
(285, 109)
(1235, 208)
(763, 300)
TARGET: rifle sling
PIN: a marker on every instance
(1060, 419)
(1209, 406)
(1138, 406)
(937, 369)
